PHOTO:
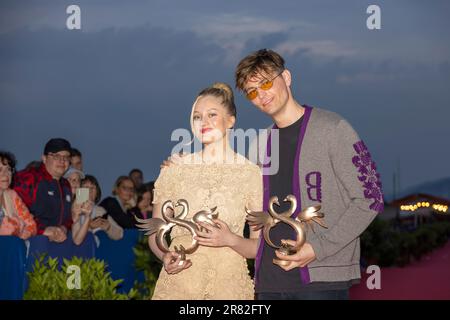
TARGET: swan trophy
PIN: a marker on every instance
(163, 226)
(267, 220)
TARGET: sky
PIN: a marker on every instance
(119, 86)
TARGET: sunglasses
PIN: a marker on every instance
(266, 85)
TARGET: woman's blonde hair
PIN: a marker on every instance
(219, 90)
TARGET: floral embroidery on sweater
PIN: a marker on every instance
(368, 175)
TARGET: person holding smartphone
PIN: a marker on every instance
(81, 205)
(99, 220)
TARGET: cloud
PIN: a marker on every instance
(118, 92)
(319, 48)
(368, 78)
(233, 32)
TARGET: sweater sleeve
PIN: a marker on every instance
(356, 173)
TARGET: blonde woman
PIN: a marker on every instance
(118, 206)
(214, 177)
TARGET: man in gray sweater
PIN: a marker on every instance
(321, 161)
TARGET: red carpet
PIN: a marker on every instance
(427, 279)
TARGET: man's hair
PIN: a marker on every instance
(75, 153)
(261, 61)
(35, 164)
(135, 170)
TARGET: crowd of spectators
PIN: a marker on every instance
(53, 197)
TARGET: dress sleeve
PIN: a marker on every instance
(164, 185)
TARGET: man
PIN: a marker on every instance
(137, 176)
(76, 159)
(46, 193)
(321, 161)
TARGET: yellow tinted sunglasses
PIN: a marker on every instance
(266, 85)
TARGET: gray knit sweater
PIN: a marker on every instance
(336, 171)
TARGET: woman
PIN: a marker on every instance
(144, 207)
(15, 219)
(118, 207)
(99, 218)
(80, 211)
(74, 176)
(214, 177)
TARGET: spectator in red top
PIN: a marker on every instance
(46, 193)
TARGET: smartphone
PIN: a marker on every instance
(81, 195)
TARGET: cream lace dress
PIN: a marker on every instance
(216, 273)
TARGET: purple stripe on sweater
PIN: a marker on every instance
(304, 272)
(266, 195)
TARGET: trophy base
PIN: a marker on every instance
(281, 263)
(286, 250)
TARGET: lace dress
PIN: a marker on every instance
(216, 273)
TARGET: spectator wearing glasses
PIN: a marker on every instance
(74, 176)
(47, 193)
(15, 219)
(118, 206)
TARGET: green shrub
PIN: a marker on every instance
(407, 245)
(426, 241)
(381, 244)
(49, 281)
